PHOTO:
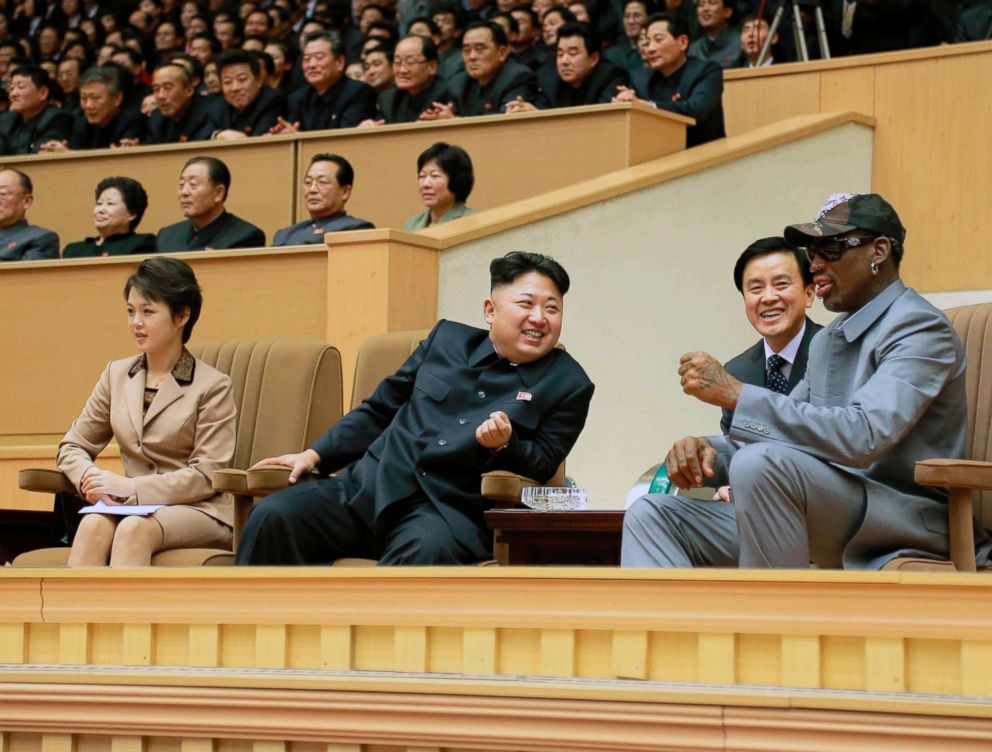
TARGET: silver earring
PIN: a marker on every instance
(873, 267)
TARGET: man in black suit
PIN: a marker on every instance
(102, 122)
(20, 241)
(675, 83)
(410, 458)
(250, 108)
(33, 121)
(326, 190)
(181, 116)
(331, 100)
(417, 86)
(774, 278)
(490, 80)
(581, 75)
(204, 185)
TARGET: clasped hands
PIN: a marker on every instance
(493, 433)
(103, 485)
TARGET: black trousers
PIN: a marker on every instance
(313, 523)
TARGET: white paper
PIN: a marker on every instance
(122, 510)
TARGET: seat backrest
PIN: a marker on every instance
(974, 325)
(288, 392)
(380, 356)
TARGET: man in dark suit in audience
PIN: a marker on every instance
(331, 99)
(182, 116)
(20, 241)
(33, 121)
(326, 190)
(490, 80)
(678, 84)
(581, 76)
(417, 86)
(204, 185)
(409, 459)
(103, 122)
(774, 278)
(250, 108)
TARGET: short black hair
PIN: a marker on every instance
(427, 47)
(510, 20)
(677, 25)
(432, 27)
(345, 174)
(586, 31)
(38, 75)
(216, 170)
(566, 15)
(504, 270)
(498, 32)
(132, 193)
(164, 279)
(337, 44)
(211, 39)
(764, 247)
(455, 162)
(237, 56)
(534, 19)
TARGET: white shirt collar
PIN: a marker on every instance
(790, 351)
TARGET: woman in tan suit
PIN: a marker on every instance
(174, 420)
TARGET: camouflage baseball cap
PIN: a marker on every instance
(844, 212)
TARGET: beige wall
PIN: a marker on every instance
(651, 276)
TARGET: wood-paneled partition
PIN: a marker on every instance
(515, 157)
(933, 110)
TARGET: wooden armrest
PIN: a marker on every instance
(505, 487)
(44, 479)
(231, 481)
(267, 479)
(954, 474)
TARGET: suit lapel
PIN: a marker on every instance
(757, 361)
(134, 395)
(802, 355)
(168, 393)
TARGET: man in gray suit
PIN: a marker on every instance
(326, 189)
(20, 241)
(824, 474)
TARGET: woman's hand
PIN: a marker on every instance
(103, 485)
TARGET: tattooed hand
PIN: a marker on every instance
(704, 378)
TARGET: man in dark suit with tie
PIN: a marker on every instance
(204, 185)
(774, 278)
(409, 459)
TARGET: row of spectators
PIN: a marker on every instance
(187, 72)
(445, 176)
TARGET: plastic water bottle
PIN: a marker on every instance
(661, 483)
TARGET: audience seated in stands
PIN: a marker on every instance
(32, 120)
(581, 75)
(250, 108)
(719, 41)
(120, 205)
(330, 99)
(824, 474)
(624, 51)
(754, 32)
(326, 189)
(675, 83)
(181, 116)
(20, 241)
(204, 187)
(403, 500)
(187, 412)
(449, 52)
(103, 121)
(417, 87)
(377, 67)
(490, 80)
(523, 49)
(446, 178)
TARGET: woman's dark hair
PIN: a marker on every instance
(163, 279)
(504, 270)
(132, 193)
(455, 163)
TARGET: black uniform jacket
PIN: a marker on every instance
(415, 436)
(344, 105)
(20, 136)
(196, 123)
(694, 90)
(125, 124)
(599, 87)
(257, 118)
(227, 231)
(513, 80)
(115, 245)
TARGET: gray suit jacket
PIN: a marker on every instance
(312, 230)
(24, 242)
(884, 388)
(423, 219)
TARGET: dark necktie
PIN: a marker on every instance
(774, 377)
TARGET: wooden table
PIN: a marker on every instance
(589, 537)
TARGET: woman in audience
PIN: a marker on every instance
(120, 205)
(173, 417)
(446, 179)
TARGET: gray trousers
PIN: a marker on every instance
(789, 509)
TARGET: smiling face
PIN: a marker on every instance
(240, 86)
(110, 214)
(847, 283)
(524, 317)
(775, 298)
(712, 16)
(153, 326)
(26, 99)
(411, 70)
(14, 200)
(320, 68)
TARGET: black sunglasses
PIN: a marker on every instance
(833, 248)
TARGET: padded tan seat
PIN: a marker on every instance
(287, 392)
